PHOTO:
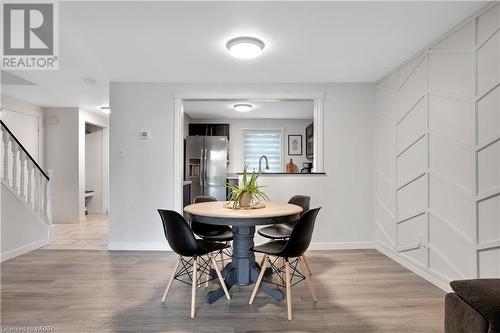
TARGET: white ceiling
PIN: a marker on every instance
(261, 110)
(184, 42)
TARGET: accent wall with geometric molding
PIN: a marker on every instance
(438, 155)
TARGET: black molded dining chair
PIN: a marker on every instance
(217, 233)
(292, 251)
(283, 230)
(182, 241)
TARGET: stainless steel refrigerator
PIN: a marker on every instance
(206, 165)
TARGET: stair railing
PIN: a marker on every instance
(24, 177)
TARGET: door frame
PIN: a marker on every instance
(104, 172)
(178, 142)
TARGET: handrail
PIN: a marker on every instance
(24, 149)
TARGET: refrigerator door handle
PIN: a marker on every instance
(206, 167)
(201, 169)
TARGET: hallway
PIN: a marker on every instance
(89, 235)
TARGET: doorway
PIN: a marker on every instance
(91, 234)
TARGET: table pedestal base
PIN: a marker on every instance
(243, 270)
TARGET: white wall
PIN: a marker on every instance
(65, 154)
(25, 120)
(438, 156)
(187, 120)
(21, 229)
(236, 130)
(141, 171)
(62, 156)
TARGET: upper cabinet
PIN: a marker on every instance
(209, 129)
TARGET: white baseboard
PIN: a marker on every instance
(119, 246)
(123, 246)
(23, 249)
(69, 220)
(429, 276)
(97, 211)
(342, 246)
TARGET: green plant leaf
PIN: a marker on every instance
(249, 186)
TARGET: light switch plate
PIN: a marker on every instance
(144, 135)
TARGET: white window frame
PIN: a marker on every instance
(258, 130)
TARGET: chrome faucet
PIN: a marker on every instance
(260, 162)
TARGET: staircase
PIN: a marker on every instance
(26, 219)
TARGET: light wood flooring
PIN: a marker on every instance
(89, 235)
(100, 291)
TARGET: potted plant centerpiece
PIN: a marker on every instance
(248, 193)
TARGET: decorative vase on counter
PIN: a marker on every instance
(245, 200)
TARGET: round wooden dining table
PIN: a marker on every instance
(242, 270)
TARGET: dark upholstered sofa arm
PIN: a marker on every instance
(460, 317)
(484, 296)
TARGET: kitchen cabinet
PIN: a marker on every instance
(209, 130)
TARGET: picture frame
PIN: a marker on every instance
(295, 145)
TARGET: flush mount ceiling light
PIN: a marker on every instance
(105, 110)
(242, 107)
(245, 47)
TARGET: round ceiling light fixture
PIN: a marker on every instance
(243, 107)
(105, 109)
(245, 47)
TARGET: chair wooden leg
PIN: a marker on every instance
(219, 275)
(306, 263)
(281, 263)
(308, 278)
(288, 290)
(193, 286)
(171, 279)
(263, 266)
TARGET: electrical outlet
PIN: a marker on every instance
(423, 243)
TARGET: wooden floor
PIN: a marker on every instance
(96, 291)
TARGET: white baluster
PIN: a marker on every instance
(6, 140)
(43, 196)
(40, 194)
(30, 184)
(15, 153)
(37, 189)
(48, 197)
(22, 158)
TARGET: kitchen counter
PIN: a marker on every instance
(290, 174)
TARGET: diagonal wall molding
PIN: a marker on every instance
(452, 153)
